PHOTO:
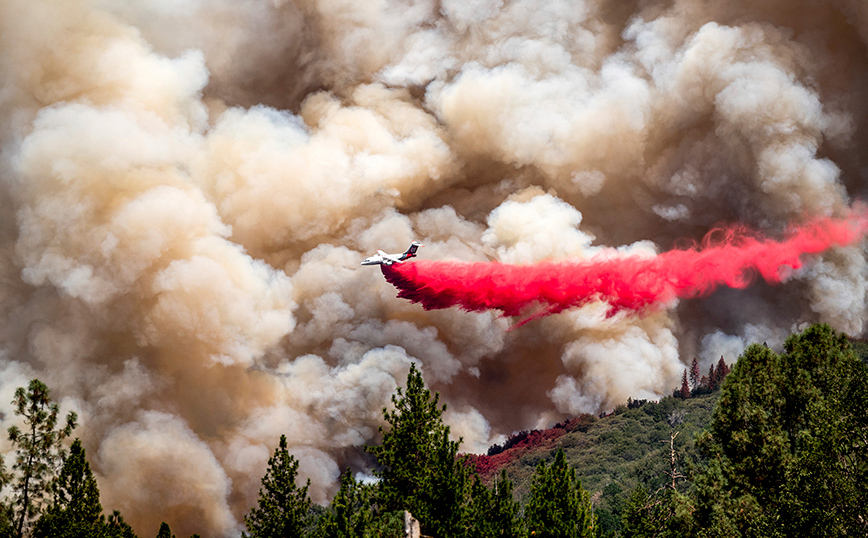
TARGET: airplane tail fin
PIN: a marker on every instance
(411, 252)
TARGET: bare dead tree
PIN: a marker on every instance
(674, 420)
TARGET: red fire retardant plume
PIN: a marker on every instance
(731, 257)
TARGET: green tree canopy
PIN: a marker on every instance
(559, 507)
(38, 450)
(116, 527)
(349, 515)
(493, 512)
(283, 507)
(76, 511)
(641, 515)
(665, 514)
(787, 443)
(165, 531)
(420, 470)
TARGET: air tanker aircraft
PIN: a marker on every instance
(381, 258)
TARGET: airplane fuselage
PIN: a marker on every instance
(381, 258)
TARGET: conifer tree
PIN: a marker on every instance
(38, 450)
(722, 371)
(420, 470)
(559, 507)
(7, 515)
(787, 442)
(165, 531)
(283, 507)
(684, 392)
(76, 511)
(493, 513)
(350, 513)
(505, 509)
(116, 527)
(712, 378)
(665, 514)
(694, 374)
(641, 515)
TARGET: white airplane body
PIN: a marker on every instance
(381, 258)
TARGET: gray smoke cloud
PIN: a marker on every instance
(188, 188)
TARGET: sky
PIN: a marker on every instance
(188, 188)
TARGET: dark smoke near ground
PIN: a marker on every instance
(188, 189)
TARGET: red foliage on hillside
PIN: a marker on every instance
(520, 443)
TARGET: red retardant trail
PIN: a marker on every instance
(730, 257)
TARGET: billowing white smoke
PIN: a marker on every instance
(188, 189)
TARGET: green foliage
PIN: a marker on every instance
(350, 513)
(283, 507)
(608, 508)
(787, 443)
(116, 527)
(666, 514)
(860, 348)
(7, 515)
(76, 511)
(619, 452)
(641, 515)
(559, 507)
(493, 513)
(387, 525)
(38, 450)
(76, 491)
(7, 530)
(420, 470)
(165, 531)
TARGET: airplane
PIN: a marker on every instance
(381, 258)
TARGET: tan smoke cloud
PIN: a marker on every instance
(188, 189)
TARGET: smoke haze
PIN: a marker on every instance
(188, 188)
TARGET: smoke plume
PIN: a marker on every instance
(188, 188)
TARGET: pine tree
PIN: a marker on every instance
(722, 371)
(283, 507)
(116, 527)
(7, 515)
(559, 507)
(76, 512)
(420, 470)
(479, 506)
(38, 450)
(684, 393)
(165, 531)
(787, 442)
(694, 374)
(350, 513)
(504, 512)
(712, 378)
(641, 515)
(493, 513)
(664, 514)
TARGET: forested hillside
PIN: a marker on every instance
(614, 454)
(775, 448)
